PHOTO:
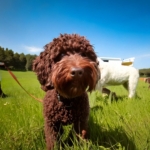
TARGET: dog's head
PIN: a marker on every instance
(68, 64)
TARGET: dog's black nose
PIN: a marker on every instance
(77, 72)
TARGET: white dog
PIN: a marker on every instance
(117, 74)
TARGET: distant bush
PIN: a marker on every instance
(144, 72)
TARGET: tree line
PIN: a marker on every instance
(144, 72)
(15, 61)
(23, 62)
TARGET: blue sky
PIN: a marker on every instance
(116, 28)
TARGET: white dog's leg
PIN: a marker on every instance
(133, 80)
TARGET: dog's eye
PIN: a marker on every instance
(59, 57)
(62, 55)
(83, 54)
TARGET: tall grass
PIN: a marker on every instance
(122, 124)
(21, 121)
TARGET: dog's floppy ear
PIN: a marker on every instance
(42, 66)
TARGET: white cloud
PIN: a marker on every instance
(33, 49)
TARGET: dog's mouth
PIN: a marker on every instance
(72, 76)
(72, 93)
(72, 88)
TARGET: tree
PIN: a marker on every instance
(16, 61)
(9, 54)
(2, 54)
(23, 61)
(144, 72)
(29, 59)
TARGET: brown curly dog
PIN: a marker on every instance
(66, 69)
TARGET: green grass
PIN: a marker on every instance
(117, 125)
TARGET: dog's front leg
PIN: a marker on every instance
(80, 128)
(51, 133)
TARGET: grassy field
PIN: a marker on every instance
(117, 125)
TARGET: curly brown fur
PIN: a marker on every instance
(66, 69)
(58, 113)
(74, 86)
